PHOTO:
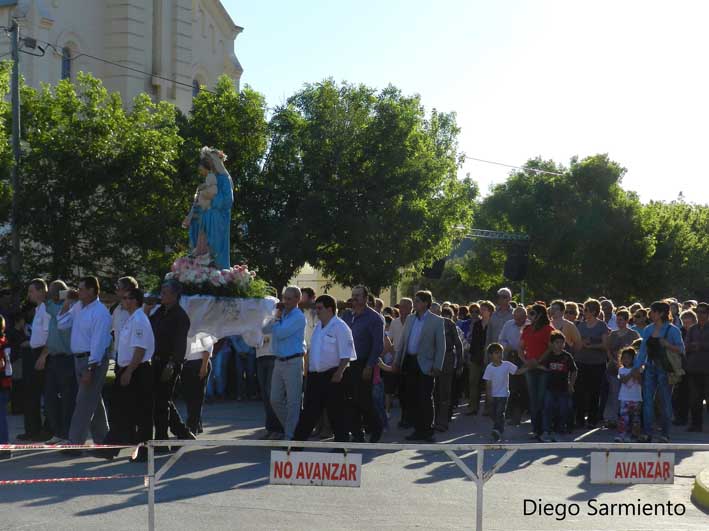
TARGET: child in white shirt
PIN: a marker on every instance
(630, 397)
(497, 379)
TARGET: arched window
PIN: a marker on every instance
(196, 87)
(66, 62)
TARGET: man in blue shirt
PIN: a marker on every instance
(287, 331)
(368, 333)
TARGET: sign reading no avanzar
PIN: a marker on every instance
(632, 467)
(316, 468)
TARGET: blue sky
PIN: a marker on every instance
(526, 78)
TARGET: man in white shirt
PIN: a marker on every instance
(119, 315)
(331, 350)
(132, 397)
(33, 365)
(90, 325)
(512, 331)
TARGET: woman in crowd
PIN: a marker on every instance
(476, 359)
(533, 344)
(640, 320)
(659, 338)
(591, 360)
(680, 391)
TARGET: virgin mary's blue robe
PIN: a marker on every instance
(215, 222)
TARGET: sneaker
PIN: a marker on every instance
(618, 439)
(663, 438)
(546, 438)
(56, 440)
(496, 435)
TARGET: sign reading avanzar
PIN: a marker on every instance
(632, 467)
(316, 468)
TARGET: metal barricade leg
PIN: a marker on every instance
(151, 487)
(479, 484)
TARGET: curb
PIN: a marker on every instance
(700, 492)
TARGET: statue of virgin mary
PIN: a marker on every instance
(210, 218)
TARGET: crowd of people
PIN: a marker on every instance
(337, 368)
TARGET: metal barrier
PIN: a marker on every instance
(479, 477)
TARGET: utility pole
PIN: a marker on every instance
(15, 255)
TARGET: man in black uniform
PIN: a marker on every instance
(170, 327)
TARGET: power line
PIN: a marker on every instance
(106, 61)
(512, 166)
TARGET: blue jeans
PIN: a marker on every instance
(536, 387)
(556, 407)
(378, 400)
(246, 361)
(4, 434)
(60, 388)
(655, 381)
(499, 405)
(216, 386)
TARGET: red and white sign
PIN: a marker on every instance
(316, 468)
(632, 467)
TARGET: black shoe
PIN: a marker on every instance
(5, 454)
(72, 452)
(141, 456)
(428, 438)
(375, 436)
(26, 437)
(415, 436)
(105, 453)
(186, 435)
(358, 438)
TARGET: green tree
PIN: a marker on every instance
(381, 180)
(679, 234)
(588, 235)
(96, 194)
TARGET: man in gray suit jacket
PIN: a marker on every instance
(419, 356)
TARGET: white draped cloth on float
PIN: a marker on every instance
(212, 318)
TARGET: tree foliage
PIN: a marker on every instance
(96, 192)
(358, 182)
(381, 181)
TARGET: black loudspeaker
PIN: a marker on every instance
(517, 262)
(435, 271)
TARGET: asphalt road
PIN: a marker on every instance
(228, 488)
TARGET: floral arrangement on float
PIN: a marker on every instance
(199, 275)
